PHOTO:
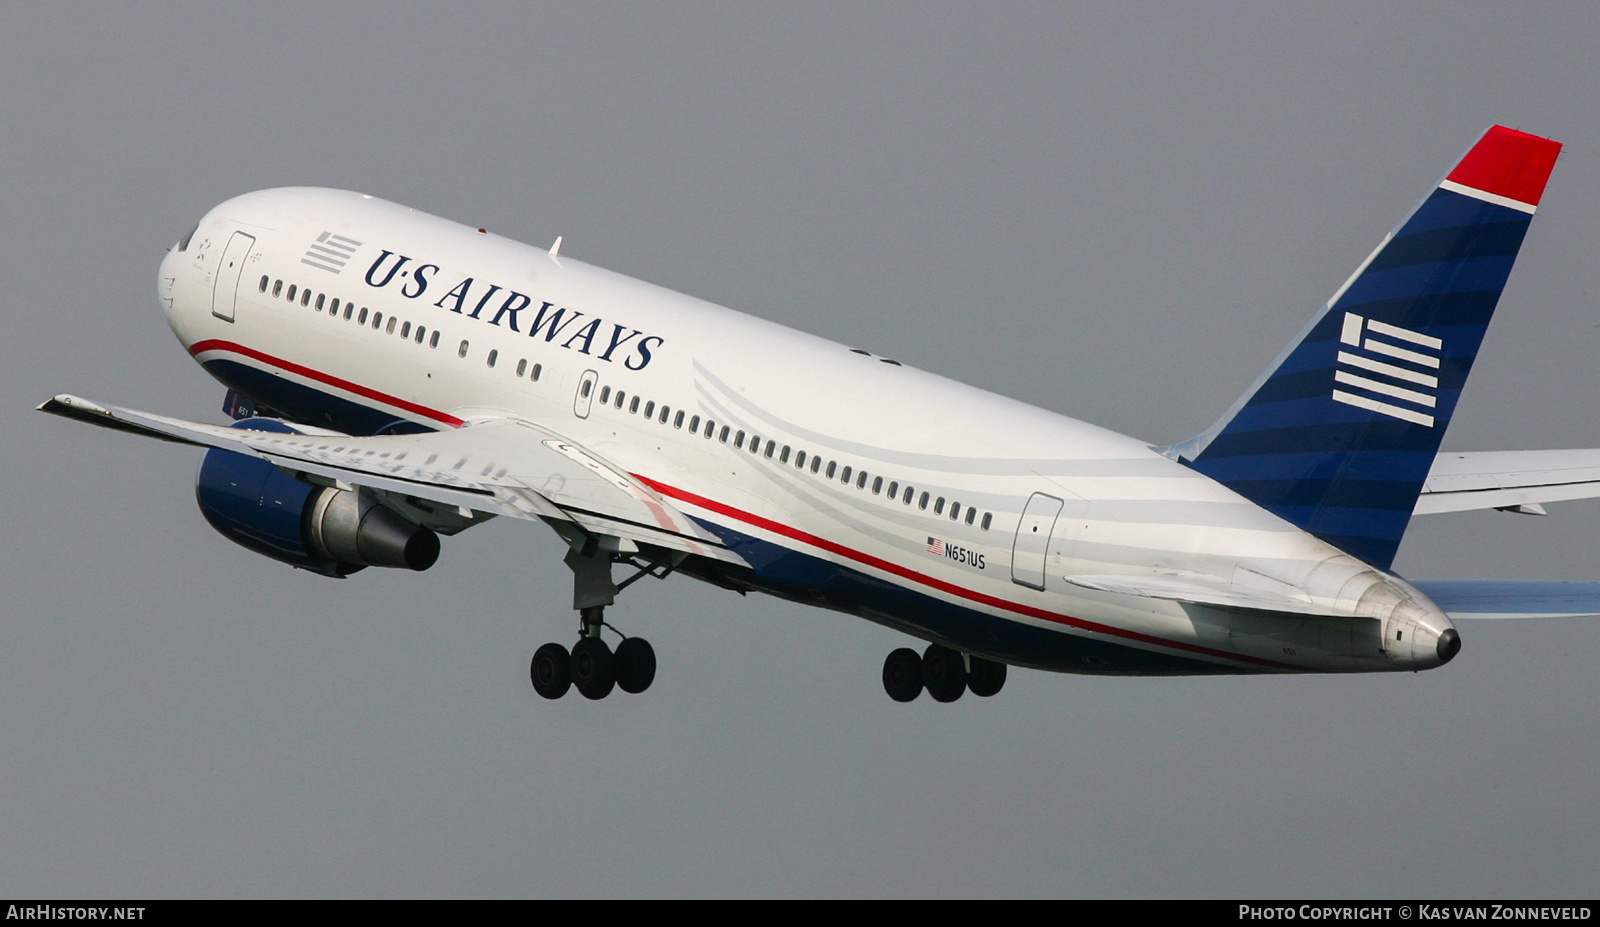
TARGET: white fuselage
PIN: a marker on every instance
(956, 554)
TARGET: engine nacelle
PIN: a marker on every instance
(326, 530)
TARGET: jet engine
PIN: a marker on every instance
(330, 531)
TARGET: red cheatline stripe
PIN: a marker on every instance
(941, 585)
(216, 345)
(1508, 163)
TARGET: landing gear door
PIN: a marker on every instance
(1032, 545)
(226, 289)
(585, 397)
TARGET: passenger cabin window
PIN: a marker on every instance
(277, 288)
(432, 342)
(522, 366)
(677, 422)
(800, 460)
(319, 302)
(877, 485)
(694, 423)
(377, 321)
(986, 517)
(710, 427)
(605, 395)
(722, 436)
(494, 355)
(292, 289)
(861, 481)
(389, 329)
(462, 351)
(405, 332)
(845, 476)
(971, 514)
(738, 440)
(909, 493)
(938, 507)
(650, 409)
(363, 319)
(263, 280)
(539, 367)
(816, 464)
(922, 503)
(633, 407)
(831, 465)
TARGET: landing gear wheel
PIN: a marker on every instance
(594, 669)
(636, 664)
(985, 677)
(902, 675)
(551, 671)
(943, 673)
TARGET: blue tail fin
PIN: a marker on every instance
(1338, 437)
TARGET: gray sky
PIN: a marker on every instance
(1118, 213)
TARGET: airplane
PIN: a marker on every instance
(394, 378)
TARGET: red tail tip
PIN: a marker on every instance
(1508, 163)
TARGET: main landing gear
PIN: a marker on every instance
(944, 672)
(592, 667)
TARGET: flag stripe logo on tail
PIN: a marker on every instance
(1406, 372)
(330, 252)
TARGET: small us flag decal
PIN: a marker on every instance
(936, 547)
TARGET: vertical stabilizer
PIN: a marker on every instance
(1339, 435)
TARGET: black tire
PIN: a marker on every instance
(985, 677)
(636, 665)
(943, 673)
(594, 668)
(551, 671)
(902, 675)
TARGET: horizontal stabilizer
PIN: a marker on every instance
(1198, 589)
(497, 466)
(1495, 598)
(1464, 481)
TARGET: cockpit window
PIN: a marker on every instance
(183, 243)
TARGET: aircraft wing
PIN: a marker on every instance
(497, 466)
(1491, 598)
(1513, 480)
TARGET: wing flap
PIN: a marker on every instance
(496, 466)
